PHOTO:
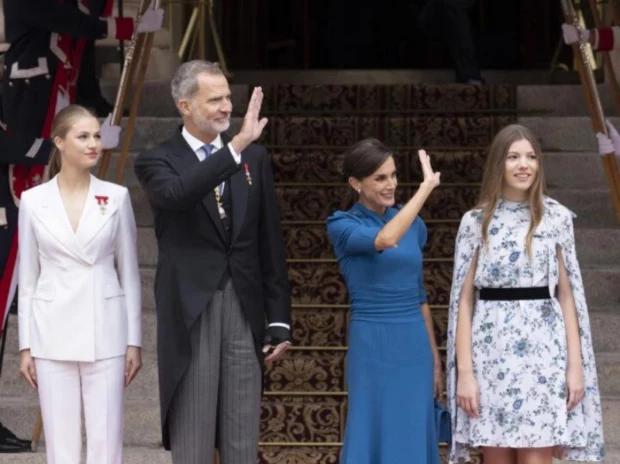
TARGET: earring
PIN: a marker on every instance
(359, 190)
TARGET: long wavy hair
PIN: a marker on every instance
(493, 180)
(61, 125)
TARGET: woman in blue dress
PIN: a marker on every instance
(393, 365)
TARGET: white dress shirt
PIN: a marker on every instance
(198, 145)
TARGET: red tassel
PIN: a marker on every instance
(605, 39)
(124, 28)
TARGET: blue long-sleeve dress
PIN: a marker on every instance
(390, 363)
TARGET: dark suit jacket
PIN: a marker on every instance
(194, 250)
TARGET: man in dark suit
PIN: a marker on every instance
(221, 271)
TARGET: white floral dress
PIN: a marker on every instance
(519, 348)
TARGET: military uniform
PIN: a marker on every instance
(47, 40)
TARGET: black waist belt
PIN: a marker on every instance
(516, 293)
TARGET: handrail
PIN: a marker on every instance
(593, 101)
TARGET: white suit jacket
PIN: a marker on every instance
(73, 304)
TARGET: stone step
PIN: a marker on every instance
(605, 325)
(321, 326)
(156, 99)
(430, 132)
(268, 455)
(593, 207)
(142, 419)
(318, 282)
(321, 421)
(398, 76)
(562, 169)
(560, 134)
(150, 132)
(131, 455)
(321, 283)
(312, 326)
(598, 247)
(14, 386)
(572, 133)
(553, 100)
(561, 100)
(310, 241)
(317, 370)
(311, 370)
(315, 202)
(162, 64)
(149, 341)
(573, 170)
(323, 165)
(389, 100)
(318, 419)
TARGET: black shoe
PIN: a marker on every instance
(6, 436)
(10, 445)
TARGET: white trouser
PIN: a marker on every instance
(103, 391)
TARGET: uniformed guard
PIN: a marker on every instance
(47, 40)
(28, 151)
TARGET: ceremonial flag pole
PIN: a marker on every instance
(584, 67)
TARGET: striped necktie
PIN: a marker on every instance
(208, 150)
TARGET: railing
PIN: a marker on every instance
(582, 53)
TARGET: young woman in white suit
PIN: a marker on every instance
(79, 296)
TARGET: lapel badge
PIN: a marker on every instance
(247, 173)
(102, 201)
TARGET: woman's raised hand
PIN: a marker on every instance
(431, 178)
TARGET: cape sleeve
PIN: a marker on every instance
(468, 240)
(591, 403)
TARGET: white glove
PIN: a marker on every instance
(614, 136)
(151, 21)
(110, 135)
(571, 34)
(605, 145)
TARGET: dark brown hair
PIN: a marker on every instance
(361, 160)
(364, 158)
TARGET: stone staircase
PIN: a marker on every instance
(304, 408)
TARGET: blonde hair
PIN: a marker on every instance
(63, 121)
(493, 180)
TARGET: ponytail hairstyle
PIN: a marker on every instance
(63, 121)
